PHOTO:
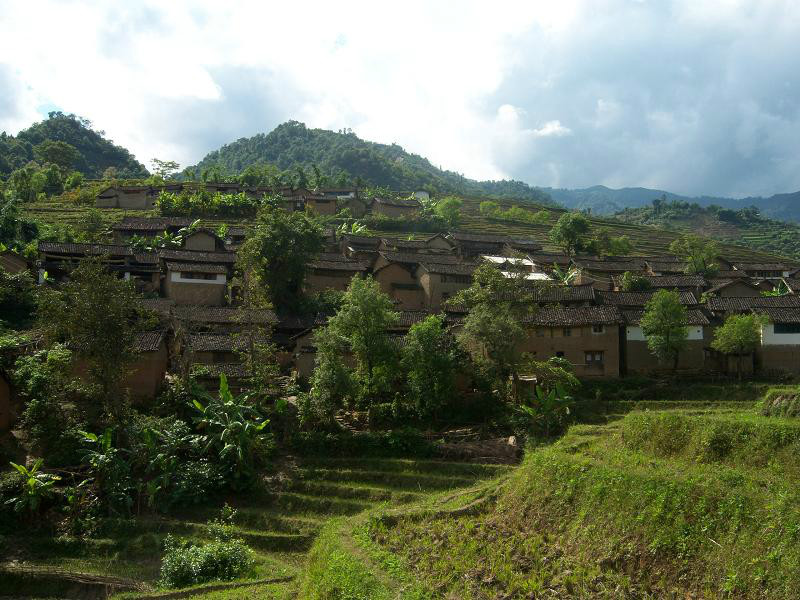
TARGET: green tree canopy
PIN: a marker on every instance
(570, 232)
(700, 254)
(277, 250)
(61, 154)
(449, 210)
(738, 335)
(664, 325)
(630, 282)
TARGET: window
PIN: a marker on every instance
(567, 332)
(593, 358)
(598, 329)
(190, 275)
(539, 332)
(787, 328)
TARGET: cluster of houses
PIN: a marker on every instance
(323, 201)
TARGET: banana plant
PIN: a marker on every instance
(564, 276)
(36, 487)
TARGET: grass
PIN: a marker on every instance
(663, 504)
(280, 525)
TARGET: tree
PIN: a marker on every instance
(664, 325)
(631, 282)
(95, 314)
(277, 249)
(361, 326)
(700, 254)
(429, 361)
(570, 232)
(738, 335)
(493, 327)
(61, 154)
(164, 169)
(608, 245)
(449, 210)
(489, 208)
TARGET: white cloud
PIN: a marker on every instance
(568, 93)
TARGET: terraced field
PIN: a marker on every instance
(279, 525)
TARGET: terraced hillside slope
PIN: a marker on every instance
(280, 524)
(665, 504)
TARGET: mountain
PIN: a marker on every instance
(292, 144)
(96, 152)
(605, 201)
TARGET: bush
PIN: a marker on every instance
(781, 402)
(400, 443)
(186, 563)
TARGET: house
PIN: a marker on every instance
(683, 283)
(637, 357)
(547, 261)
(737, 288)
(396, 273)
(780, 340)
(638, 300)
(214, 348)
(361, 247)
(601, 272)
(321, 204)
(147, 372)
(395, 207)
(440, 281)
(724, 306)
(147, 227)
(223, 319)
(131, 197)
(237, 375)
(204, 240)
(660, 266)
(471, 245)
(197, 283)
(587, 337)
(764, 270)
(333, 272)
(12, 262)
(434, 244)
(566, 295)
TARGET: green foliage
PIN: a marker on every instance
(700, 254)
(449, 210)
(571, 232)
(429, 360)
(332, 383)
(781, 401)
(94, 152)
(36, 487)
(232, 431)
(63, 155)
(164, 169)
(564, 276)
(95, 313)
(277, 250)
(514, 214)
(664, 325)
(401, 443)
(17, 298)
(606, 244)
(224, 558)
(738, 335)
(631, 282)
(200, 202)
(110, 471)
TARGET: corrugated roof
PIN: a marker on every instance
(573, 316)
(148, 341)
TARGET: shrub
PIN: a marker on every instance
(186, 563)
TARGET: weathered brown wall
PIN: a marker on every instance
(392, 275)
(322, 208)
(640, 360)
(393, 211)
(739, 290)
(552, 340)
(201, 241)
(202, 293)
(319, 280)
(147, 374)
(779, 358)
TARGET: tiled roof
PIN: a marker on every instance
(671, 281)
(757, 266)
(448, 269)
(159, 305)
(214, 342)
(639, 298)
(782, 315)
(484, 238)
(213, 314)
(526, 245)
(667, 266)
(193, 256)
(730, 275)
(410, 317)
(411, 258)
(84, 249)
(693, 317)
(362, 240)
(151, 223)
(401, 202)
(404, 244)
(228, 369)
(148, 341)
(196, 267)
(338, 265)
(547, 259)
(720, 284)
(746, 304)
(563, 293)
(584, 315)
(618, 265)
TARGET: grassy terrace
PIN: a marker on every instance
(280, 526)
(646, 240)
(667, 504)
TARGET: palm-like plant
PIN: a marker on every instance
(36, 487)
(564, 276)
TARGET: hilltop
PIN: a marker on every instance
(292, 144)
(96, 152)
(602, 200)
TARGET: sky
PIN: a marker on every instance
(695, 97)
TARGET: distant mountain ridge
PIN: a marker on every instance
(606, 201)
(292, 144)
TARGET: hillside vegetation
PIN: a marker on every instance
(657, 505)
(96, 153)
(745, 226)
(292, 144)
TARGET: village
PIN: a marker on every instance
(590, 321)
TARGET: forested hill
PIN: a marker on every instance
(94, 155)
(334, 153)
(605, 201)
